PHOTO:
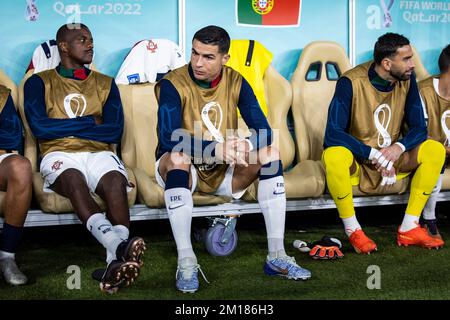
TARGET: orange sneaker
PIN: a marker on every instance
(418, 237)
(361, 243)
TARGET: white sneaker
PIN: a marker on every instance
(11, 272)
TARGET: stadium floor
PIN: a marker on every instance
(406, 273)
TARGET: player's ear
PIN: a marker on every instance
(62, 47)
(386, 64)
(225, 58)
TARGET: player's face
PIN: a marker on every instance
(402, 65)
(80, 46)
(207, 61)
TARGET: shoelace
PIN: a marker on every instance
(189, 271)
(289, 261)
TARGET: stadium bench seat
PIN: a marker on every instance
(305, 178)
(313, 83)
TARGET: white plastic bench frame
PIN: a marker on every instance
(140, 212)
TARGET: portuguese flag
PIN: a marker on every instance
(268, 12)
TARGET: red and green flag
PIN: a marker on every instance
(268, 13)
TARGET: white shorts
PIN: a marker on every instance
(225, 188)
(6, 155)
(93, 165)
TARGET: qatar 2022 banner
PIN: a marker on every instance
(116, 25)
(425, 23)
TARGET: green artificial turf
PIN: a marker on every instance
(406, 273)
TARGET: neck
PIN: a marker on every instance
(444, 85)
(68, 64)
(383, 74)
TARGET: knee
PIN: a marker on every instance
(268, 154)
(72, 175)
(337, 157)
(176, 160)
(113, 180)
(432, 151)
(19, 169)
(72, 179)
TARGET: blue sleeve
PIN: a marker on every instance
(111, 129)
(415, 118)
(41, 125)
(261, 133)
(170, 132)
(339, 112)
(10, 127)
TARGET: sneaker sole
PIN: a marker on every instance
(136, 250)
(419, 245)
(367, 253)
(188, 291)
(285, 276)
(124, 276)
(299, 278)
(290, 277)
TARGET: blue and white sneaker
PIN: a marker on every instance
(286, 267)
(187, 275)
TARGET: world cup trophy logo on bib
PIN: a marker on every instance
(444, 126)
(262, 6)
(382, 125)
(212, 118)
(76, 100)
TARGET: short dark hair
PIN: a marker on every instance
(214, 35)
(444, 59)
(387, 45)
(66, 28)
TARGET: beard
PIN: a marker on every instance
(401, 76)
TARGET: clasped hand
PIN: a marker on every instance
(233, 150)
(384, 160)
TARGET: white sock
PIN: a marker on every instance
(103, 231)
(187, 261)
(123, 234)
(7, 255)
(122, 231)
(351, 225)
(272, 200)
(274, 248)
(409, 222)
(429, 211)
(179, 206)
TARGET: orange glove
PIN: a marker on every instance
(325, 253)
